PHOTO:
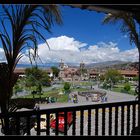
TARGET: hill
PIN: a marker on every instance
(115, 65)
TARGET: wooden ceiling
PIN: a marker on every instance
(106, 8)
(134, 9)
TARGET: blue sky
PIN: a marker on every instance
(83, 37)
(86, 26)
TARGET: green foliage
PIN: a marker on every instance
(126, 80)
(63, 98)
(128, 25)
(17, 89)
(67, 86)
(55, 71)
(45, 79)
(127, 87)
(121, 78)
(105, 85)
(112, 76)
(36, 77)
(102, 77)
(18, 86)
(136, 78)
(25, 23)
(39, 88)
(52, 94)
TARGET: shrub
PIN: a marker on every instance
(105, 85)
(67, 87)
(127, 87)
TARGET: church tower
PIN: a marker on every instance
(83, 71)
(82, 65)
(61, 65)
(61, 68)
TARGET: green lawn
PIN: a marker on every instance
(120, 89)
(53, 93)
(84, 83)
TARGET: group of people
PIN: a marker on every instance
(103, 98)
(36, 107)
(98, 98)
(73, 98)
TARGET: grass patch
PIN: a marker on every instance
(54, 93)
(63, 98)
(121, 90)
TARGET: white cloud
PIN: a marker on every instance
(73, 51)
(129, 55)
(63, 43)
(70, 51)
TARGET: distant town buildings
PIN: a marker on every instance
(93, 74)
(20, 72)
(69, 73)
(129, 73)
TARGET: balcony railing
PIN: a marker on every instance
(118, 118)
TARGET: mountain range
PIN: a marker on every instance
(106, 64)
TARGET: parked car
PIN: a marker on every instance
(43, 124)
(61, 121)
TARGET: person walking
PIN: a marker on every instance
(75, 98)
(87, 97)
(105, 99)
(37, 107)
(69, 98)
(72, 97)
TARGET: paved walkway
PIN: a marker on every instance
(112, 97)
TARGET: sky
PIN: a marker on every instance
(83, 38)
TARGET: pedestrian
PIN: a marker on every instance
(86, 97)
(72, 96)
(47, 100)
(102, 98)
(75, 99)
(36, 107)
(69, 98)
(50, 99)
(105, 99)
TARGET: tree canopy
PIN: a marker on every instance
(36, 77)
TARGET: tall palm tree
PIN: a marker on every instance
(130, 25)
(25, 22)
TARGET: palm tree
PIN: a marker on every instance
(25, 22)
(130, 25)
